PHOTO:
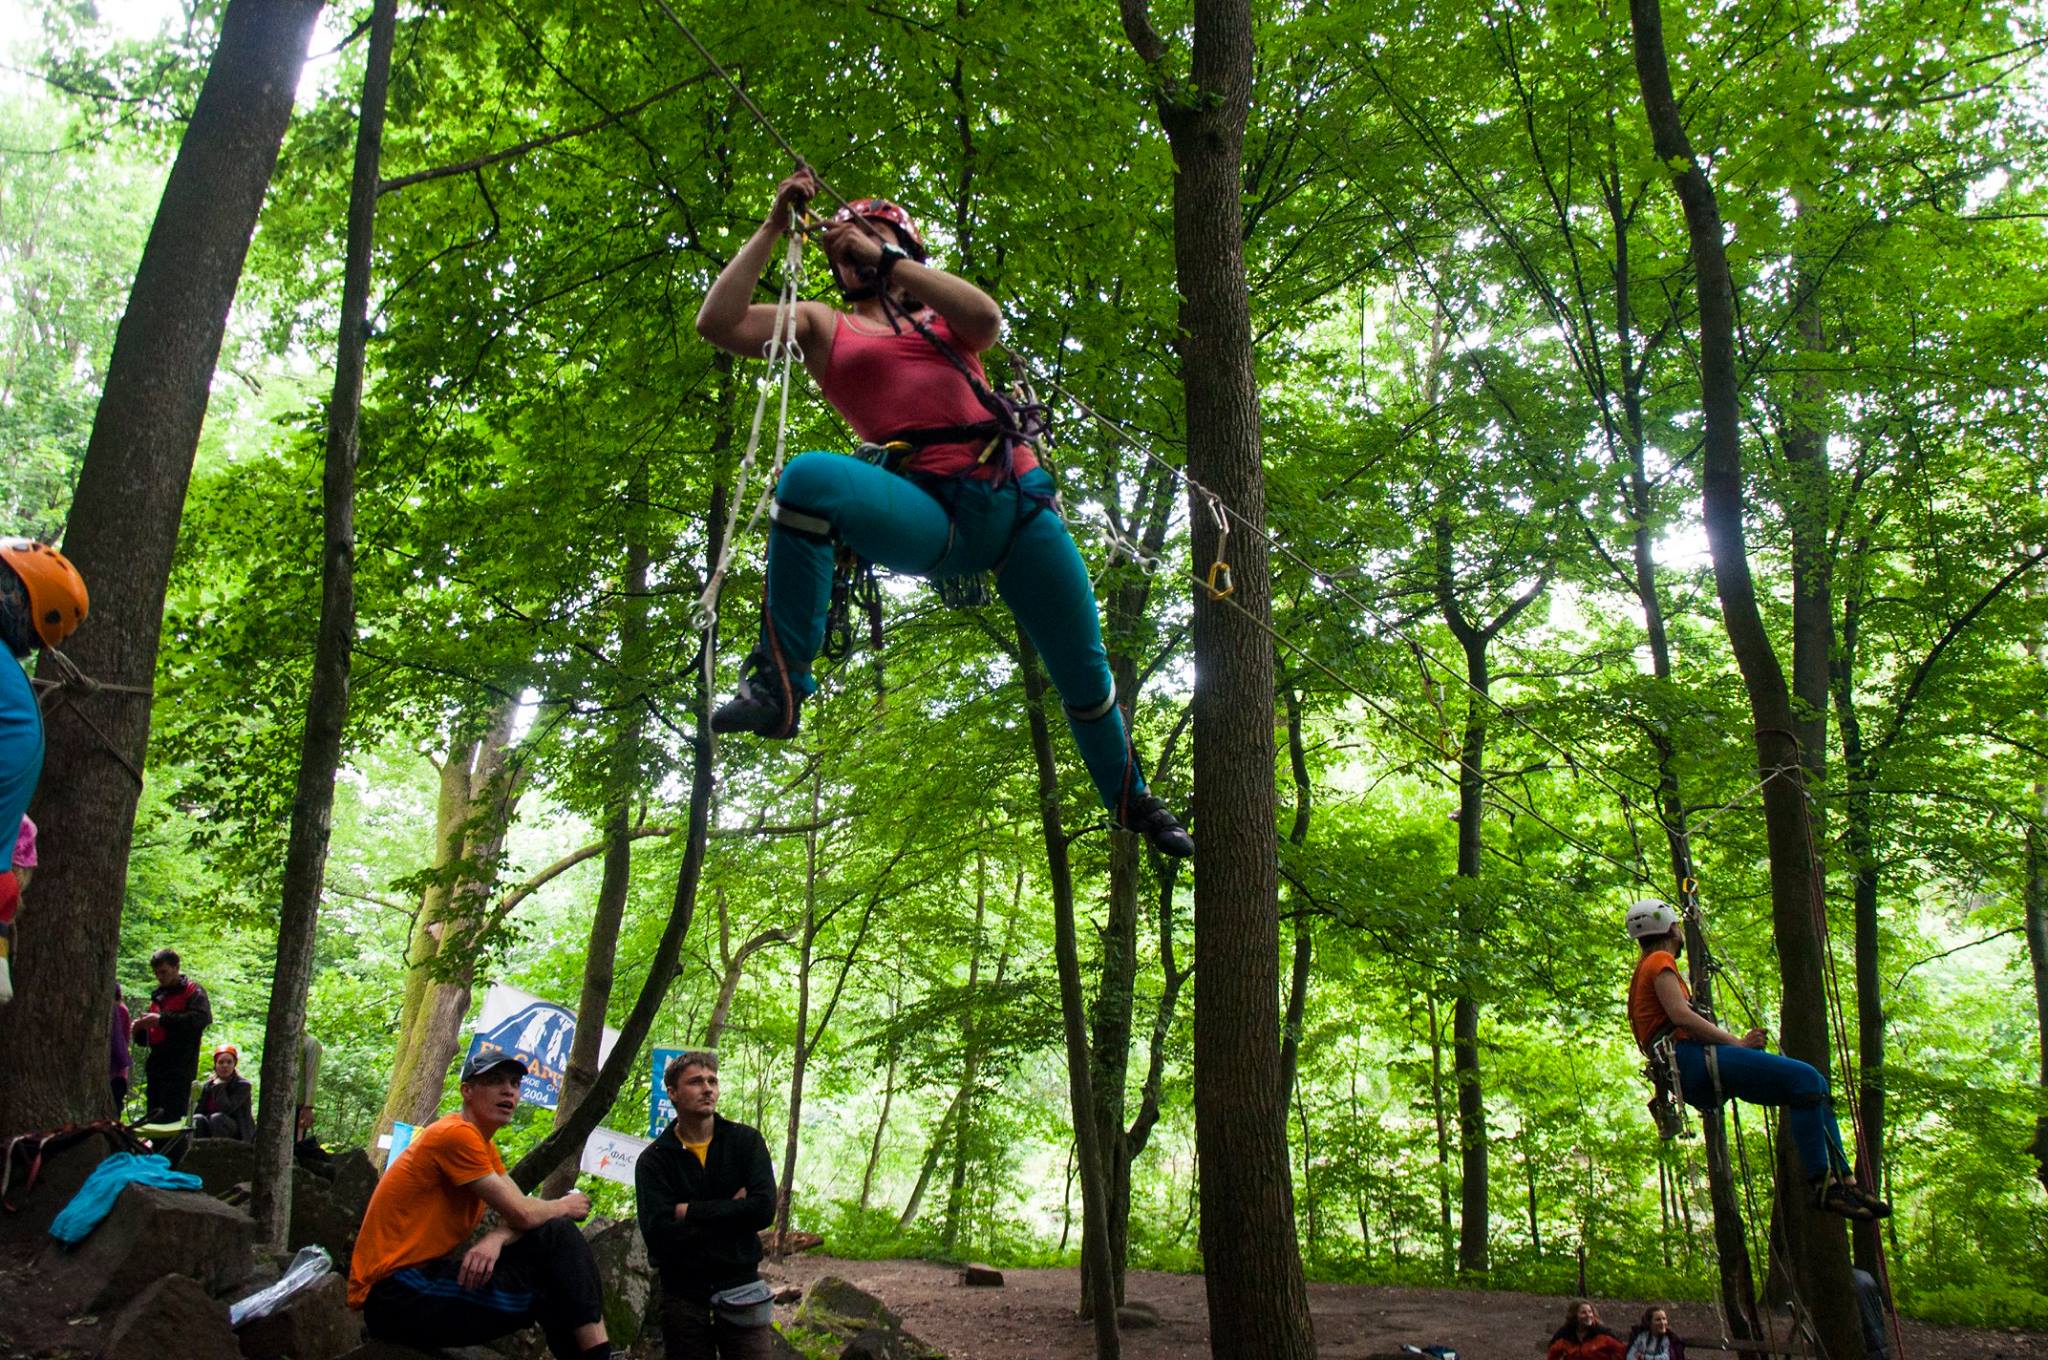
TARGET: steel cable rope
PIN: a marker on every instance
(1575, 762)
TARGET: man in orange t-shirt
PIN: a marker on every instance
(1712, 1063)
(409, 1275)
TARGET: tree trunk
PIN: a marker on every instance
(601, 955)
(471, 817)
(1101, 1292)
(932, 1154)
(2037, 954)
(1258, 1303)
(800, 1054)
(1443, 1136)
(1304, 933)
(1737, 1279)
(867, 1176)
(1819, 1254)
(327, 699)
(121, 533)
(566, 1139)
(970, 1067)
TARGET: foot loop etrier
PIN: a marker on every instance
(765, 704)
(1146, 815)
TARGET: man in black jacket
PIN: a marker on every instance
(172, 1027)
(704, 1190)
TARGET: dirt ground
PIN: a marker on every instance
(1032, 1317)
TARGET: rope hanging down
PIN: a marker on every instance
(783, 353)
(73, 683)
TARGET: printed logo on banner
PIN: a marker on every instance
(538, 1034)
(612, 1155)
(660, 1109)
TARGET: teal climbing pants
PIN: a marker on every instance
(895, 523)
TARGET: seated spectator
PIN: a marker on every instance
(306, 1148)
(1584, 1338)
(1653, 1339)
(225, 1109)
(411, 1277)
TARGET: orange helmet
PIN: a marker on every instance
(56, 592)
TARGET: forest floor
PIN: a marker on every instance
(1032, 1317)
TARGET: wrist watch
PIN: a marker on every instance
(892, 255)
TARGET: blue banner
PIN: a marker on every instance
(659, 1108)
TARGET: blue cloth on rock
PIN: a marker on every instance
(95, 1199)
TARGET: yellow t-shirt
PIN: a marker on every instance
(703, 1149)
(423, 1208)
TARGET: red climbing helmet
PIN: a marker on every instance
(56, 592)
(882, 210)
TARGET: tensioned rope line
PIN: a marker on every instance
(1576, 759)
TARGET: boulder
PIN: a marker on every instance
(982, 1277)
(391, 1350)
(355, 1179)
(887, 1343)
(314, 1324)
(149, 1233)
(323, 1218)
(789, 1293)
(63, 1171)
(172, 1315)
(834, 1306)
(221, 1164)
(630, 1286)
(1136, 1317)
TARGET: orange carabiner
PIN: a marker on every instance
(1224, 591)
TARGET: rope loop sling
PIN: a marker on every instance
(783, 353)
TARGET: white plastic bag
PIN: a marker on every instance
(307, 1269)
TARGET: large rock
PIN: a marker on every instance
(981, 1277)
(63, 1171)
(832, 1305)
(355, 1180)
(150, 1233)
(171, 1316)
(887, 1343)
(314, 1324)
(630, 1286)
(221, 1164)
(323, 1218)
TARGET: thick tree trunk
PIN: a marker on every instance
(1258, 1303)
(1101, 1292)
(327, 700)
(471, 817)
(1819, 1253)
(121, 533)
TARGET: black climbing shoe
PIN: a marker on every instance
(758, 706)
(1851, 1200)
(1147, 816)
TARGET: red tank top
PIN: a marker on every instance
(885, 384)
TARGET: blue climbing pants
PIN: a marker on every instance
(1769, 1079)
(893, 522)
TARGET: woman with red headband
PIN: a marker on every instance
(951, 487)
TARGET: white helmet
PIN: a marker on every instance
(1649, 918)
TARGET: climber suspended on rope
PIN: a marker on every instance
(948, 486)
(1707, 1064)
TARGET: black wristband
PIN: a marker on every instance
(891, 257)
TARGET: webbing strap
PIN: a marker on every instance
(1101, 710)
(798, 521)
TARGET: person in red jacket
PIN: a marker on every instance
(1583, 1337)
(172, 1027)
